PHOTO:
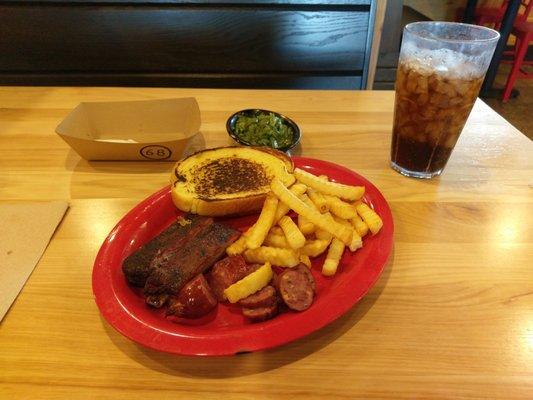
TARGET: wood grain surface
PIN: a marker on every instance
(450, 318)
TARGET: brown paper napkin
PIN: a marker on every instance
(25, 231)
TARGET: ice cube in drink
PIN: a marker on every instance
(431, 110)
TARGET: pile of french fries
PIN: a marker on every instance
(330, 217)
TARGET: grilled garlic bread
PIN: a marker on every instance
(228, 180)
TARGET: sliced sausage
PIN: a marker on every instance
(260, 313)
(297, 287)
(266, 297)
(226, 272)
(194, 300)
(304, 269)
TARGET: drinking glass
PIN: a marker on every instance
(441, 68)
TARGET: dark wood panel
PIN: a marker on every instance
(383, 86)
(168, 39)
(389, 60)
(268, 81)
(392, 27)
(239, 43)
(385, 74)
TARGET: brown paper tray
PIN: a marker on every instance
(131, 130)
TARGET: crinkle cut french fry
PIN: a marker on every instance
(274, 240)
(264, 223)
(340, 208)
(306, 227)
(371, 218)
(238, 246)
(360, 226)
(323, 177)
(305, 198)
(304, 259)
(250, 284)
(318, 200)
(346, 192)
(337, 230)
(329, 218)
(297, 189)
(276, 230)
(294, 237)
(313, 248)
(276, 256)
(322, 234)
(356, 243)
(336, 248)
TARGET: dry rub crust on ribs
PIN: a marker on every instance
(177, 266)
(137, 266)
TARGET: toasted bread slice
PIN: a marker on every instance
(228, 180)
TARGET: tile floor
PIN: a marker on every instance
(518, 111)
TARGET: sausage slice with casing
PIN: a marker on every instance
(195, 300)
(297, 287)
(266, 297)
(260, 313)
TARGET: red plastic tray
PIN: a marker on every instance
(225, 331)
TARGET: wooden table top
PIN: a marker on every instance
(451, 316)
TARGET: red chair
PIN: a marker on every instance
(493, 15)
(485, 15)
(523, 31)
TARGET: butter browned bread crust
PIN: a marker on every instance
(228, 180)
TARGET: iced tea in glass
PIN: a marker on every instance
(441, 68)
